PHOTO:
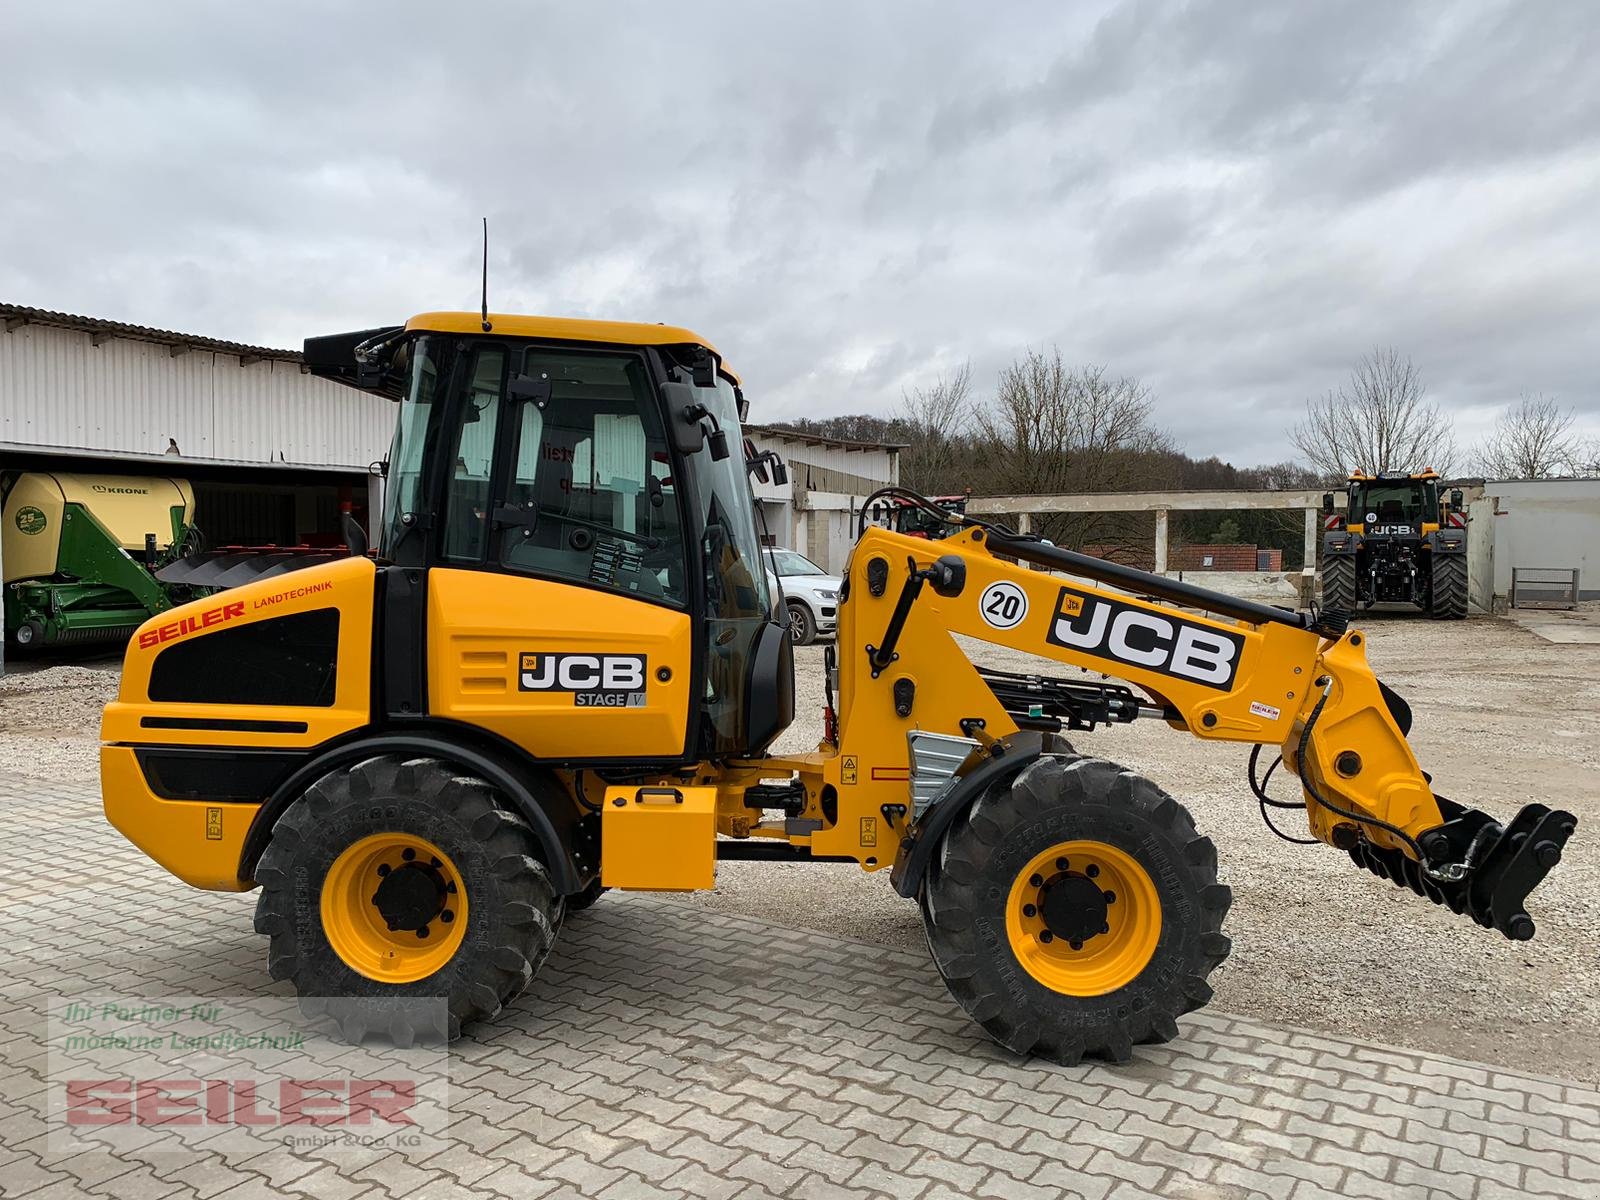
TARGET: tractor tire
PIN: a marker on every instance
(1449, 600)
(802, 625)
(1339, 584)
(1075, 911)
(395, 881)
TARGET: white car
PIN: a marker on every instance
(811, 594)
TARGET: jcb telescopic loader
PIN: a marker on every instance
(1400, 541)
(561, 672)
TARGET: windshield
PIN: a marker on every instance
(403, 482)
(1396, 503)
(787, 563)
(736, 585)
(737, 603)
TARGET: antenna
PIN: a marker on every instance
(486, 326)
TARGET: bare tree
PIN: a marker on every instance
(1051, 428)
(1588, 459)
(1533, 439)
(936, 417)
(1380, 420)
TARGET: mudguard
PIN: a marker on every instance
(520, 791)
(1007, 758)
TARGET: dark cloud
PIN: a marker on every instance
(1232, 202)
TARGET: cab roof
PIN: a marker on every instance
(568, 329)
(1363, 477)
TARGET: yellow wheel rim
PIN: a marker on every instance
(390, 878)
(1083, 918)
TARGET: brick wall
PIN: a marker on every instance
(1231, 557)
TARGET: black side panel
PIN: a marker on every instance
(230, 774)
(288, 660)
(770, 695)
(401, 652)
(224, 724)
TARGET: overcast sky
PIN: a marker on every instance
(1230, 201)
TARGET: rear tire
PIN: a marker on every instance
(465, 855)
(1037, 991)
(802, 625)
(1339, 583)
(1449, 586)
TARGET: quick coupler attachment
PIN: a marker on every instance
(1477, 866)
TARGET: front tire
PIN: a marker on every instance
(1035, 945)
(802, 625)
(395, 881)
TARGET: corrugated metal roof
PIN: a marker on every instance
(817, 439)
(21, 314)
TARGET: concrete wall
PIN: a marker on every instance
(1545, 523)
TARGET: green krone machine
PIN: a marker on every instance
(79, 554)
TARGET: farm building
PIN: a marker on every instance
(272, 453)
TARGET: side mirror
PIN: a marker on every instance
(719, 445)
(755, 463)
(530, 387)
(1456, 498)
(765, 465)
(1327, 502)
(684, 413)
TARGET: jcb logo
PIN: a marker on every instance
(594, 680)
(1108, 628)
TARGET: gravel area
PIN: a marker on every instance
(1502, 718)
(50, 717)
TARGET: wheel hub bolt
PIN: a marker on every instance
(1047, 937)
(1111, 897)
(1076, 945)
(1036, 881)
(1061, 864)
(408, 854)
(1029, 910)
(1091, 870)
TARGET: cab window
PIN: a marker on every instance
(589, 466)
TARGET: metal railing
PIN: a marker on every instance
(1544, 587)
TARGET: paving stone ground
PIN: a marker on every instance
(665, 1051)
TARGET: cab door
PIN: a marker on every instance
(559, 611)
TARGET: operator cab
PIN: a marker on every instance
(590, 454)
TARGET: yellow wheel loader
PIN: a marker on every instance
(561, 671)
